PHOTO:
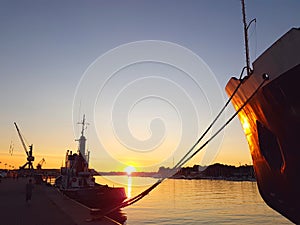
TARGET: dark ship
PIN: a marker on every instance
(77, 180)
(271, 122)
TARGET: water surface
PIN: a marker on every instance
(177, 202)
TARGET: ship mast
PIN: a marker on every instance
(82, 139)
(246, 26)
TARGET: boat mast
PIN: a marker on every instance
(82, 139)
(246, 38)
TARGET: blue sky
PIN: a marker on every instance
(46, 46)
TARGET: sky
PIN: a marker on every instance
(148, 75)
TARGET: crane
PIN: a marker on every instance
(39, 165)
(30, 157)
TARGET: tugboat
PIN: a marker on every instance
(77, 180)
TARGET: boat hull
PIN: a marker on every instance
(271, 122)
(98, 197)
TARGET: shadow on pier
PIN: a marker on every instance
(47, 207)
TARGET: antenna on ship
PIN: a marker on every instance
(82, 139)
(84, 125)
(246, 26)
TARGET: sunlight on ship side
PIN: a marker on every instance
(245, 124)
(247, 129)
(248, 120)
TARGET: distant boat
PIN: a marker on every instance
(77, 181)
(271, 122)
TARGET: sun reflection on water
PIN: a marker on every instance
(129, 185)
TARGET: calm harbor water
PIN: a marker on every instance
(177, 202)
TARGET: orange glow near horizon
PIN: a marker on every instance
(233, 152)
(230, 156)
(19, 159)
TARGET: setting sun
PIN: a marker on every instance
(129, 170)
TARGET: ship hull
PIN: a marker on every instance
(98, 197)
(271, 121)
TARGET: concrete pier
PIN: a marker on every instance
(47, 207)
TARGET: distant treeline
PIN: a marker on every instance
(215, 171)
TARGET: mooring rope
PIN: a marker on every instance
(179, 164)
(265, 78)
(186, 158)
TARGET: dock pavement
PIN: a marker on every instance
(47, 207)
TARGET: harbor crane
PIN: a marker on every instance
(30, 157)
(39, 165)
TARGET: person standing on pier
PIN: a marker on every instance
(29, 187)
